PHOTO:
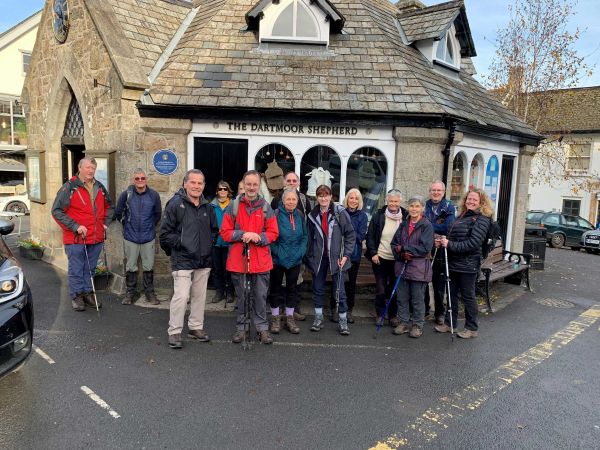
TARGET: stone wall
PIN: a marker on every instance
(526, 154)
(419, 158)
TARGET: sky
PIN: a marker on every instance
(485, 18)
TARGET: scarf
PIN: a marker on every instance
(224, 204)
(397, 217)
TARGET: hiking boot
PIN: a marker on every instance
(350, 317)
(467, 334)
(78, 303)
(275, 324)
(230, 297)
(335, 317)
(219, 297)
(343, 326)
(152, 299)
(401, 329)
(439, 320)
(442, 328)
(199, 335)
(127, 299)
(290, 324)
(416, 331)
(239, 336)
(88, 299)
(264, 337)
(318, 323)
(299, 317)
(175, 341)
(394, 322)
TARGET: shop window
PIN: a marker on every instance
(367, 171)
(320, 165)
(492, 176)
(457, 186)
(274, 152)
(476, 172)
(571, 207)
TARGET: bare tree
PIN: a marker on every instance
(535, 56)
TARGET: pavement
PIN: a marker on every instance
(108, 380)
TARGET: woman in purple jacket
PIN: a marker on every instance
(411, 246)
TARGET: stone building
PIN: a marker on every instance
(361, 93)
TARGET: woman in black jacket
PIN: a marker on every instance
(463, 243)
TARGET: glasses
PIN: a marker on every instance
(140, 178)
(223, 189)
(292, 181)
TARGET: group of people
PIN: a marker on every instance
(258, 251)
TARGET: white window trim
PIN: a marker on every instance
(451, 37)
(23, 53)
(271, 14)
(581, 157)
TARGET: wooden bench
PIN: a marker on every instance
(501, 264)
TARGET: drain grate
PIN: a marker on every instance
(555, 303)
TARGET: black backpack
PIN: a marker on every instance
(493, 234)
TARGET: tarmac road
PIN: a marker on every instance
(530, 380)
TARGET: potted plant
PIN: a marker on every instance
(31, 248)
(102, 277)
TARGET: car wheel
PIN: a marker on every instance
(557, 241)
(16, 207)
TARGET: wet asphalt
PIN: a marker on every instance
(312, 390)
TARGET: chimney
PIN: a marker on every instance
(405, 6)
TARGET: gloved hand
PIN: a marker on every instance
(407, 256)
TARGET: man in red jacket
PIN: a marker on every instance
(83, 210)
(254, 226)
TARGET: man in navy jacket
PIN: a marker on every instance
(441, 213)
(139, 210)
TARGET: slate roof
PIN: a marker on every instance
(574, 110)
(367, 69)
(429, 23)
(149, 26)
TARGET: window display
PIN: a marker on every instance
(367, 169)
(320, 165)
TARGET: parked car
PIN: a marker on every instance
(561, 229)
(15, 203)
(590, 240)
(16, 308)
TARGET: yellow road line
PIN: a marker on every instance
(433, 421)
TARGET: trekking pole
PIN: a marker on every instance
(434, 254)
(379, 323)
(448, 293)
(247, 282)
(87, 260)
(340, 275)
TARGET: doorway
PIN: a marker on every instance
(71, 154)
(220, 159)
(505, 194)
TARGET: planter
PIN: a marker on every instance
(31, 253)
(102, 281)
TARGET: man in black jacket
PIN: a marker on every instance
(188, 232)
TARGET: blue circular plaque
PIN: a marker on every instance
(165, 162)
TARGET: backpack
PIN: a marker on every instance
(493, 234)
(126, 208)
(235, 207)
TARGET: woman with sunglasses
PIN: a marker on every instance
(331, 241)
(221, 278)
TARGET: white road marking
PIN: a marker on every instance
(101, 403)
(43, 354)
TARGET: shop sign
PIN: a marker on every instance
(293, 129)
(165, 162)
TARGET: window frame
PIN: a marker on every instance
(272, 14)
(570, 210)
(450, 37)
(25, 53)
(587, 156)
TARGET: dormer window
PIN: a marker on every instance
(294, 21)
(447, 50)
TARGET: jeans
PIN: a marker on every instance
(385, 278)
(463, 283)
(410, 297)
(80, 270)
(350, 287)
(438, 282)
(221, 278)
(257, 301)
(319, 286)
(284, 296)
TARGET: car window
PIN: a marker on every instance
(552, 219)
(534, 217)
(571, 221)
(584, 223)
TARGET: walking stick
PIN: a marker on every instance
(247, 287)
(379, 323)
(87, 260)
(340, 275)
(448, 293)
